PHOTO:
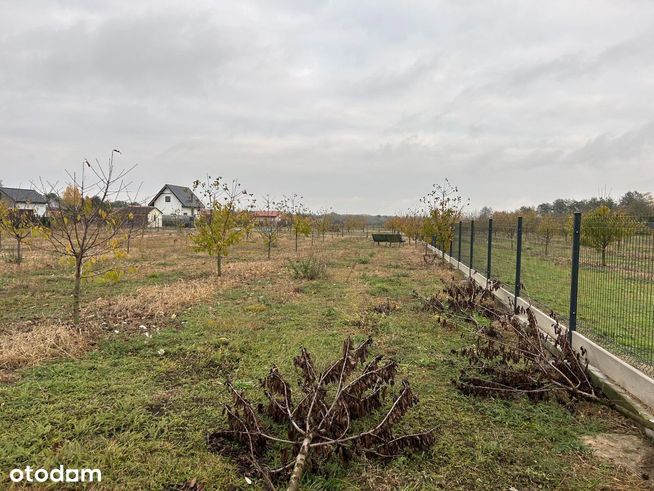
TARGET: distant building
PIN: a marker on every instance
(177, 201)
(263, 216)
(142, 216)
(24, 199)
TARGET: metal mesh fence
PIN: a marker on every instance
(615, 269)
(616, 288)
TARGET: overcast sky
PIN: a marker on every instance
(359, 105)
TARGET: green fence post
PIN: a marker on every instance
(472, 245)
(458, 258)
(489, 250)
(518, 261)
(574, 275)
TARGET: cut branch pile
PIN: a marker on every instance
(512, 356)
(317, 420)
(525, 361)
(460, 301)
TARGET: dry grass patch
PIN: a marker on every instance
(152, 301)
(42, 343)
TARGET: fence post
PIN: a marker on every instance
(518, 261)
(458, 258)
(472, 245)
(574, 275)
(490, 249)
(452, 243)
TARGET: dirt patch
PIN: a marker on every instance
(630, 451)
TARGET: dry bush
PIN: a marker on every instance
(309, 268)
(386, 308)
(43, 342)
(315, 422)
(512, 357)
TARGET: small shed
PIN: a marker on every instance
(142, 216)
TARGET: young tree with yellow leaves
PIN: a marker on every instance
(443, 207)
(225, 222)
(298, 215)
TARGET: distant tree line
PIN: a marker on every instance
(632, 203)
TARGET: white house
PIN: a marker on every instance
(24, 199)
(177, 200)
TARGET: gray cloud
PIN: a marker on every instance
(341, 101)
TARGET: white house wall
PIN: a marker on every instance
(174, 207)
(39, 208)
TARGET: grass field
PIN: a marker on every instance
(615, 302)
(135, 393)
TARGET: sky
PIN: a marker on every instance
(359, 106)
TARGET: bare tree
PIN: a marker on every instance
(322, 222)
(85, 227)
(18, 224)
(269, 226)
(318, 422)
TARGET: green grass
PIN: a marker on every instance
(141, 416)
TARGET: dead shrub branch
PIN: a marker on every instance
(319, 426)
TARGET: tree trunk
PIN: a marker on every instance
(604, 256)
(19, 252)
(296, 234)
(269, 247)
(219, 260)
(77, 291)
(300, 462)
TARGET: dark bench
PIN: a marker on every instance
(388, 238)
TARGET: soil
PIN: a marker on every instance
(631, 451)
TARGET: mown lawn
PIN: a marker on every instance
(139, 407)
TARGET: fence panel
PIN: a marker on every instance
(546, 267)
(465, 243)
(616, 288)
(503, 253)
(616, 275)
